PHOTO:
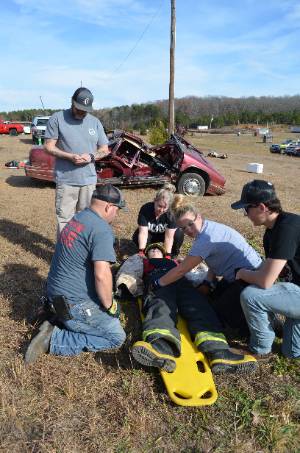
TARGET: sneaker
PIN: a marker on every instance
(40, 343)
(145, 354)
(229, 362)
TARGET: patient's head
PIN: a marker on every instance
(155, 250)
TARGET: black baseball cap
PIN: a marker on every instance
(111, 194)
(83, 99)
(255, 192)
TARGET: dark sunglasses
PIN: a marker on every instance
(189, 224)
(248, 206)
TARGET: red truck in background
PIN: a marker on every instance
(6, 127)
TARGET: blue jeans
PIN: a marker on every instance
(91, 329)
(258, 305)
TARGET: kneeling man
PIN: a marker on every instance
(79, 285)
(265, 296)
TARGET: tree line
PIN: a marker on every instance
(213, 111)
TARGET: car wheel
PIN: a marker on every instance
(13, 132)
(191, 184)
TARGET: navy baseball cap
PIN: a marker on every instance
(111, 194)
(255, 192)
(83, 99)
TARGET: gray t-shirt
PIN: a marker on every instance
(224, 250)
(85, 239)
(76, 137)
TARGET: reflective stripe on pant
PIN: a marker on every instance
(210, 341)
(160, 319)
(155, 334)
(69, 200)
(161, 310)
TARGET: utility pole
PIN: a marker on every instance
(172, 58)
(42, 102)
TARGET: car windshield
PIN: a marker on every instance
(42, 122)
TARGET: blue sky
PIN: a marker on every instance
(120, 50)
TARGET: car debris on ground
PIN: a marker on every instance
(215, 154)
(16, 163)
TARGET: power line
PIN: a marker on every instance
(140, 38)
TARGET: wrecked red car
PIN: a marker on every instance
(132, 162)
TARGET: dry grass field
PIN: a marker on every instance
(105, 402)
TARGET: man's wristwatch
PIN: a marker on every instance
(155, 284)
(92, 158)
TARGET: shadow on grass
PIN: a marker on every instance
(22, 286)
(124, 248)
(27, 141)
(131, 322)
(35, 243)
(123, 360)
(25, 181)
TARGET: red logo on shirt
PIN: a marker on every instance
(71, 232)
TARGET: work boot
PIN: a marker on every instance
(225, 361)
(259, 357)
(40, 343)
(145, 354)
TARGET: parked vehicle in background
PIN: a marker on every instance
(132, 162)
(293, 150)
(279, 148)
(38, 128)
(6, 127)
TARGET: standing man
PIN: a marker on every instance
(265, 297)
(74, 136)
(79, 285)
